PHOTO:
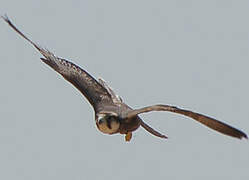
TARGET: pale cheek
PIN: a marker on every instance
(104, 128)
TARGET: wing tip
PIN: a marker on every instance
(239, 135)
(6, 19)
(243, 136)
(164, 137)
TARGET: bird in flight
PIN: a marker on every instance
(112, 115)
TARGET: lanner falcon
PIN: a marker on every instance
(111, 114)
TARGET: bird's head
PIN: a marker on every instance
(107, 122)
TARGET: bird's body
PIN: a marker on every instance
(112, 115)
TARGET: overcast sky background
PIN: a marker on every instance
(193, 54)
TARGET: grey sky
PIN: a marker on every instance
(193, 54)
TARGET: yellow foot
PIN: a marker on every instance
(128, 136)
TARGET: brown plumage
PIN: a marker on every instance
(111, 114)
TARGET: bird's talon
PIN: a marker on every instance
(128, 136)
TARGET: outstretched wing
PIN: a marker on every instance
(207, 121)
(84, 82)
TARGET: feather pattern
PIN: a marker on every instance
(83, 81)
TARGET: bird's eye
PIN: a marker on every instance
(102, 119)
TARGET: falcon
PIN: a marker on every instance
(112, 115)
